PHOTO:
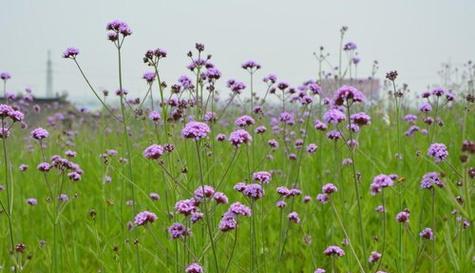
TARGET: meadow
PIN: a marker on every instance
(215, 175)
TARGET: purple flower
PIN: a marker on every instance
(411, 130)
(427, 234)
(149, 76)
(186, 207)
(253, 191)
(153, 151)
(244, 121)
(349, 46)
(178, 231)
(361, 118)
(186, 82)
(281, 204)
(260, 129)
(118, 26)
(220, 198)
(312, 148)
(319, 270)
(144, 217)
(194, 268)
(70, 53)
(154, 116)
(329, 188)
(210, 117)
(23, 167)
(273, 143)
(262, 177)
(220, 137)
(431, 179)
(4, 132)
(251, 66)
(204, 191)
(240, 209)
(319, 125)
(348, 94)
(154, 196)
(294, 217)
(322, 198)
(39, 133)
(239, 137)
(334, 251)
(410, 118)
(287, 118)
(374, 257)
(403, 216)
(438, 91)
(74, 176)
(32, 201)
(228, 222)
(270, 79)
(236, 86)
(334, 135)
(195, 130)
(334, 116)
(63, 197)
(438, 152)
(44, 167)
(379, 182)
(5, 76)
(425, 107)
(380, 209)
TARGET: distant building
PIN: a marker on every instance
(370, 87)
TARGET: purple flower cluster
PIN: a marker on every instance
(5, 76)
(236, 86)
(117, 27)
(431, 179)
(244, 121)
(262, 177)
(145, 217)
(334, 116)
(348, 94)
(334, 251)
(194, 268)
(438, 152)
(153, 151)
(427, 234)
(229, 221)
(39, 133)
(239, 137)
(380, 182)
(195, 130)
(70, 53)
(178, 231)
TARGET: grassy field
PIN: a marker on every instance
(90, 225)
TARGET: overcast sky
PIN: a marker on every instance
(412, 36)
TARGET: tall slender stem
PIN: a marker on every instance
(205, 202)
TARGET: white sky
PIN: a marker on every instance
(412, 36)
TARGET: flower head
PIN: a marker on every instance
(194, 268)
(70, 53)
(153, 151)
(334, 251)
(144, 217)
(431, 179)
(438, 152)
(195, 130)
(39, 133)
(427, 234)
(178, 231)
(239, 137)
(348, 94)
